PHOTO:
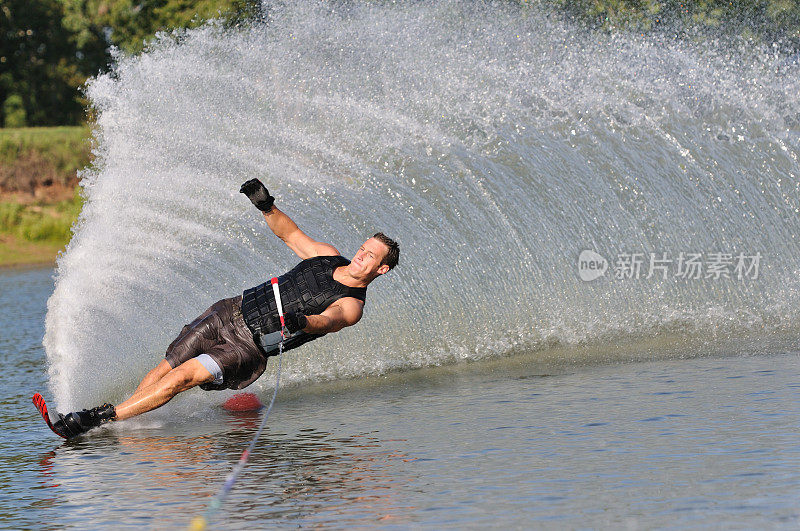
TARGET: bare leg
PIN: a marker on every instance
(149, 397)
(155, 375)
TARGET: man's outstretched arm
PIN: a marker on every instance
(282, 225)
(297, 240)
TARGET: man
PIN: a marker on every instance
(228, 345)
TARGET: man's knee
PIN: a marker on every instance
(187, 375)
(159, 371)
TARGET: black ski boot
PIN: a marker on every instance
(78, 422)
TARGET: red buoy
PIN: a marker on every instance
(243, 402)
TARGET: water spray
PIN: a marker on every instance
(484, 133)
(201, 522)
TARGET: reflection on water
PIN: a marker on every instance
(309, 476)
(683, 442)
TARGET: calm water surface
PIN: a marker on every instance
(709, 441)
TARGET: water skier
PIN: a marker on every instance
(228, 345)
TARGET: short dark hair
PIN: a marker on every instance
(393, 255)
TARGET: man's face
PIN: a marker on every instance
(367, 260)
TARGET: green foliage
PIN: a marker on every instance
(41, 156)
(129, 24)
(10, 214)
(132, 23)
(67, 148)
(609, 14)
(765, 20)
(14, 111)
(48, 48)
(38, 63)
(39, 222)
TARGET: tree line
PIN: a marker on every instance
(48, 48)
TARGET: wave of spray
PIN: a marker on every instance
(493, 142)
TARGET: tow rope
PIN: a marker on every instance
(201, 522)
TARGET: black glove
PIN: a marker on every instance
(295, 321)
(257, 193)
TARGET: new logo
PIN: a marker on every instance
(591, 266)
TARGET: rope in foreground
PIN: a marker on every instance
(200, 523)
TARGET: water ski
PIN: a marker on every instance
(38, 401)
(75, 423)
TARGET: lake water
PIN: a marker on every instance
(707, 440)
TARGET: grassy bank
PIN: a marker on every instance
(36, 158)
(38, 191)
(34, 233)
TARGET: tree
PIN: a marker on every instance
(14, 111)
(128, 24)
(38, 65)
(48, 48)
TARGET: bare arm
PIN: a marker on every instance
(297, 240)
(344, 312)
(282, 225)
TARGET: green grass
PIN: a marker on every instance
(14, 253)
(35, 233)
(61, 150)
(32, 158)
(40, 222)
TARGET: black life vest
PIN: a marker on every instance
(309, 288)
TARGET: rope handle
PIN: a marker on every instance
(277, 293)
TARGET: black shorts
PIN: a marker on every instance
(221, 333)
